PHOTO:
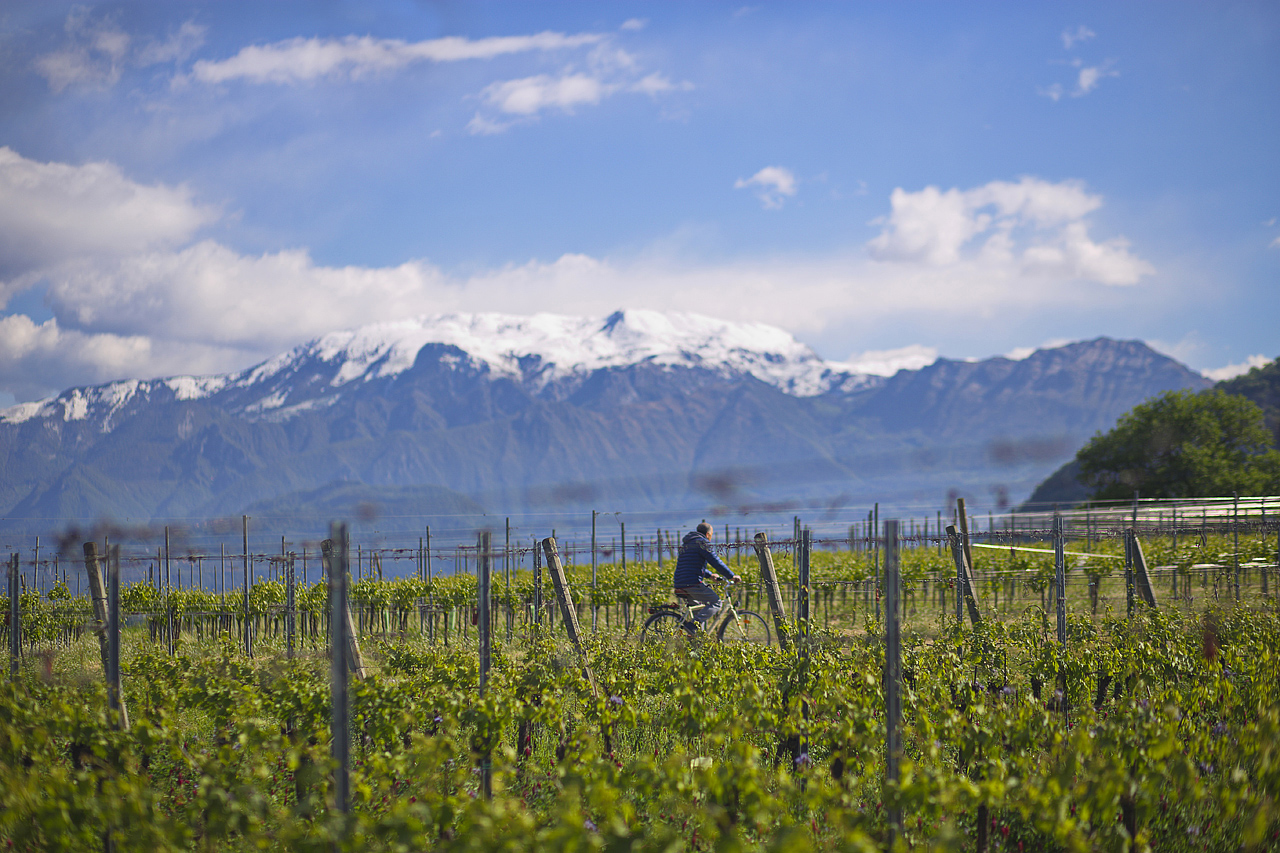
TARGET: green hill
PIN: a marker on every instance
(1261, 385)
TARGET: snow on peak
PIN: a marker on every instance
(536, 350)
(78, 404)
(561, 346)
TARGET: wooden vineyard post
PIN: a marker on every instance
(1141, 580)
(595, 612)
(484, 628)
(1129, 538)
(98, 596)
(170, 640)
(570, 618)
(568, 614)
(892, 677)
(802, 574)
(353, 657)
(1060, 579)
(963, 517)
(875, 554)
(537, 584)
(114, 693)
(627, 602)
(431, 597)
(964, 578)
(248, 622)
(769, 578)
(339, 625)
(15, 619)
(507, 571)
(290, 606)
(101, 617)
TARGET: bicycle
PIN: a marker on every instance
(734, 625)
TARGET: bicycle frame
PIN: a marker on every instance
(728, 610)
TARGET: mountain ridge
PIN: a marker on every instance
(663, 423)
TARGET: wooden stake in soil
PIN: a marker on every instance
(964, 577)
(570, 618)
(101, 617)
(248, 623)
(115, 694)
(595, 613)
(802, 604)
(98, 597)
(769, 578)
(484, 628)
(962, 516)
(431, 597)
(568, 614)
(537, 584)
(1060, 579)
(1129, 539)
(290, 608)
(1142, 581)
(340, 624)
(352, 654)
(892, 676)
(15, 618)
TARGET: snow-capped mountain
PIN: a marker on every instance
(636, 410)
(549, 355)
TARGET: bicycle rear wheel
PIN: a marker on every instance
(747, 628)
(662, 626)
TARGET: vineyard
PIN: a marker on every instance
(542, 720)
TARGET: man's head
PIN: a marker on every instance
(705, 529)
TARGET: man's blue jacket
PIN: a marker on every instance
(691, 565)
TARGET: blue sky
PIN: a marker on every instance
(192, 187)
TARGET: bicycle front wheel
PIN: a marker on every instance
(748, 627)
(662, 626)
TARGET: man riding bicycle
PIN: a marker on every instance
(691, 573)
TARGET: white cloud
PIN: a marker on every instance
(97, 51)
(887, 362)
(531, 95)
(135, 293)
(207, 304)
(93, 56)
(634, 24)
(656, 84)
(1275, 244)
(181, 44)
(1031, 228)
(1071, 38)
(610, 70)
(1089, 77)
(773, 184)
(209, 294)
(35, 358)
(1231, 371)
(1053, 93)
(52, 212)
(299, 59)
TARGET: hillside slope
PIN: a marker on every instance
(1260, 384)
(634, 411)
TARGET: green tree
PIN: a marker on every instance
(1184, 444)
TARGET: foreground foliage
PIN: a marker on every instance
(1158, 733)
